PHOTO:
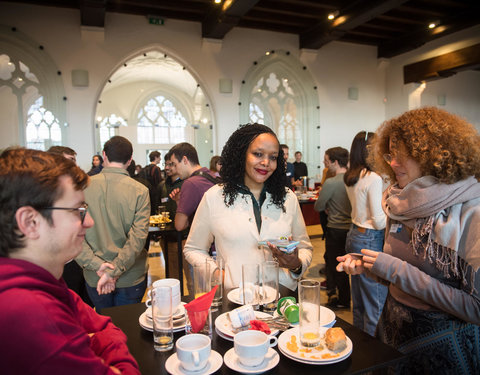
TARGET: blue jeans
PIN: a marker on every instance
(120, 296)
(368, 296)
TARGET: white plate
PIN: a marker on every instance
(147, 324)
(327, 317)
(179, 312)
(271, 360)
(236, 296)
(224, 326)
(220, 334)
(173, 366)
(284, 338)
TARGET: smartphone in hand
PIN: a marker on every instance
(283, 245)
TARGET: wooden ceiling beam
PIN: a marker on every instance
(92, 12)
(328, 31)
(417, 38)
(219, 22)
(442, 66)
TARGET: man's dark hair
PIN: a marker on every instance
(167, 156)
(153, 155)
(283, 145)
(185, 149)
(118, 149)
(31, 178)
(298, 152)
(60, 150)
(339, 154)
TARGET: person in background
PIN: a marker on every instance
(196, 181)
(251, 205)
(72, 272)
(43, 222)
(173, 181)
(334, 200)
(289, 169)
(300, 168)
(431, 256)
(114, 257)
(215, 165)
(97, 165)
(66, 152)
(364, 190)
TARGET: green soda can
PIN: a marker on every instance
(287, 307)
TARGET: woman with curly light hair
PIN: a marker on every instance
(431, 258)
(251, 205)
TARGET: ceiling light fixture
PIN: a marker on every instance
(217, 1)
(333, 15)
(433, 24)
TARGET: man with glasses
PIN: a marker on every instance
(114, 258)
(173, 181)
(43, 220)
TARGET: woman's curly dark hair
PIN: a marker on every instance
(233, 165)
(445, 145)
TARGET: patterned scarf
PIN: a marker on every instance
(445, 223)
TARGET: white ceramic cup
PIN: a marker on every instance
(251, 347)
(176, 297)
(193, 351)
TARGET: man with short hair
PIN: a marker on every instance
(45, 328)
(65, 151)
(72, 272)
(172, 181)
(114, 258)
(290, 169)
(334, 200)
(299, 166)
(197, 180)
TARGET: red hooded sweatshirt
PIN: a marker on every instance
(45, 328)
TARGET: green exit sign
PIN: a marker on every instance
(155, 20)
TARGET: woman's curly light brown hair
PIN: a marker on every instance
(445, 145)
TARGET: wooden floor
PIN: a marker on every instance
(157, 265)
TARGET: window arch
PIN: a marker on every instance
(109, 127)
(160, 120)
(280, 94)
(32, 96)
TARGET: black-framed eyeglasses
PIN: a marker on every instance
(82, 210)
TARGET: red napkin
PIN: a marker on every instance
(198, 310)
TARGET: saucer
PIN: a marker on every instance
(178, 314)
(173, 366)
(224, 325)
(327, 317)
(271, 360)
(236, 296)
(147, 324)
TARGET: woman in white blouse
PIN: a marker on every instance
(251, 205)
(364, 189)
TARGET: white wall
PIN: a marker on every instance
(335, 68)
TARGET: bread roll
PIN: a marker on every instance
(335, 339)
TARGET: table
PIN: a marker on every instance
(310, 216)
(165, 233)
(368, 353)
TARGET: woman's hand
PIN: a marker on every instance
(285, 260)
(354, 266)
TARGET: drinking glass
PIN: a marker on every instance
(250, 289)
(201, 278)
(162, 318)
(217, 278)
(269, 286)
(309, 306)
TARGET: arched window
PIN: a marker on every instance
(32, 97)
(280, 93)
(160, 122)
(109, 127)
(43, 129)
